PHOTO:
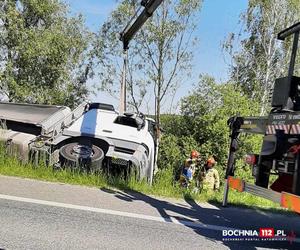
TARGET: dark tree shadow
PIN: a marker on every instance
(219, 218)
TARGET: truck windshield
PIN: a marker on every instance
(134, 122)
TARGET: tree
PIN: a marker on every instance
(43, 55)
(202, 125)
(206, 111)
(262, 58)
(159, 56)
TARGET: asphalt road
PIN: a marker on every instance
(41, 215)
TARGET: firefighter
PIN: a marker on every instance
(195, 160)
(189, 168)
(195, 155)
(209, 177)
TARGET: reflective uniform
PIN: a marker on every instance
(209, 179)
(189, 169)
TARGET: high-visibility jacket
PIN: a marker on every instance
(210, 179)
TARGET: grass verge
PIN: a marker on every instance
(162, 186)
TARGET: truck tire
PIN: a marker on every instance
(81, 157)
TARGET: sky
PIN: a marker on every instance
(217, 19)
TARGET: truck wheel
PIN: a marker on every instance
(81, 157)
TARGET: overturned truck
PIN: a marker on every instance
(92, 137)
(280, 150)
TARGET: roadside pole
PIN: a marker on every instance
(225, 197)
(122, 108)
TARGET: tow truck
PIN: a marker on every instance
(280, 150)
(92, 137)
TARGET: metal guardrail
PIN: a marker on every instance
(262, 192)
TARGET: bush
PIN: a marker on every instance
(202, 125)
(173, 151)
(169, 154)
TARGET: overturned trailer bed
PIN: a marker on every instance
(91, 137)
(32, 119)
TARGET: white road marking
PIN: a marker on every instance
(118, 213)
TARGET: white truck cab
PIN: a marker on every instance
(93, 136)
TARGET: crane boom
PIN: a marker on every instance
(134, 26)
(128, 33)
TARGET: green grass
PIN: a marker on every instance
(162, 185)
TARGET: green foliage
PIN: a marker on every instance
(260, 57)
(162, 186)
(174, 151)
(207, 110)
(43, 53)
(172, 124)
(169, 152)
(202, 125)
(159, 55)
(44, 59)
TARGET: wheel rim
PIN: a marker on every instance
(82, 151)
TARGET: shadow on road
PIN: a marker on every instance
(219, 218)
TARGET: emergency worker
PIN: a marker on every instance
(209, 177)
(189, 168)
